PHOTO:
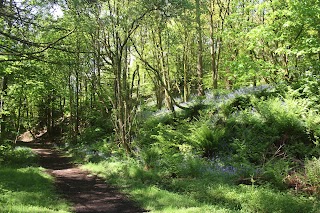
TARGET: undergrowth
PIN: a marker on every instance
(255, 152)
(24, 187)
(212, 191)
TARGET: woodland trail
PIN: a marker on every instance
(86, 192)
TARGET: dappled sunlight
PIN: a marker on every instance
(160, 199)
(215, 192)
(19, 208)
(19, 195)
(268, 200)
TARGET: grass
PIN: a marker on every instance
(24, 187)
(208, 193)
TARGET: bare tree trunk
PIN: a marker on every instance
(76, 129)
(77, 90)
(213, 50)
(200, 50)
(121, 109)
(3, 116)
(156, 81)
(165, 73)
(185, 75)
(52, 111)
(71, 106)
(121, 106)
(18, 124)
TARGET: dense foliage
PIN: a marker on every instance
(176, 89)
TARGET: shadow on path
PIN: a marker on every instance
(86, 192)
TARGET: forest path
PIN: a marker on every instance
(86, 192)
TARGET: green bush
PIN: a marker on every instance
(312, 169)
(249, 138)
(287, 114)
(275, 172)
(150, 157)
(287, 117)
(193, 166)
(263, 139)
(307, 88)
(4, 149)
(17, 156)
(239, 103)
(207, 140)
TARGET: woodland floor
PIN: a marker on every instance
(85, 192)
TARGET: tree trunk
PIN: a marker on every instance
(71, 106)
(185, 76)
(213, 50)
(3, 116)
(121, 108)
(200, 50)
(18, 124)
(76, 129)
(77, 90)
(165, 73)
(159, 88)
(185, 67)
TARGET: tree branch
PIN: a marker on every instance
(39, 45)
(157, 72)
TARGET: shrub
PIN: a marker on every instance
(264, 138)
(17, 156)
(237, 104)
(150, 157)
(287, 114)
(287, 119)
(275, 171)
(306, 180)
(192, 166)
(4, 149)
(207, 140)
(249, 137)
(312, 169)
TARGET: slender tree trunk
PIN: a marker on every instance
(165, 73)
(71, 105)
(121, 108)
(3, 116)
(185, 67)
(18, 124)
(76, 118)
(285, 64)
(213, 50)
(49, 114)
(121, 93)
(185, 75)
(200, 50)
(52, 111)
(157, 82)
(61, 106)
(27, 113)
(77, 91)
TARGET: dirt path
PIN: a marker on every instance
(86, 192)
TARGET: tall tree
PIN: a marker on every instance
(200, 50)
